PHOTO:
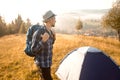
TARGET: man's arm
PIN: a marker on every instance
(39, 38)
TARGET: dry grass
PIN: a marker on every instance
(15, 65)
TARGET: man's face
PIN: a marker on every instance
(52, 21)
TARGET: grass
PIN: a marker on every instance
(15, 65)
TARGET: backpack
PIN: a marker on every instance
(35, 47)
(29, 35)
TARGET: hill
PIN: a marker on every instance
(91, 19)
(15, 65)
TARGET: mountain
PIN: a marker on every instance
(95, 11)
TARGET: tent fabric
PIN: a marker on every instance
(87, 63)
(99, 67)
(66, 72)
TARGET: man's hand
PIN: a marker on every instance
(45, 37)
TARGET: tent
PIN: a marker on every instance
(87, 63)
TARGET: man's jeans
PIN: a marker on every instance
(45, 73)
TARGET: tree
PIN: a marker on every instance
(11, 28)
(22, 28)
(18, 23)
(112, 18)
(28, 24)
(2, 26)
(79, 25)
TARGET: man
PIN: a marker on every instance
(43, 58)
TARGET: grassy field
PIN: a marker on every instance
(15, 65)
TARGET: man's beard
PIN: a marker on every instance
(53, 25)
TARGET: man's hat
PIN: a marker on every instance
(48, 15)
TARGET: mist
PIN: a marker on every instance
(65, 23)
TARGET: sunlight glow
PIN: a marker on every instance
(34, 9)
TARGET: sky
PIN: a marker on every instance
(34, 9)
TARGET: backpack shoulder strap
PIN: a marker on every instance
(53, 36)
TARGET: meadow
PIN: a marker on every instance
(15, 65)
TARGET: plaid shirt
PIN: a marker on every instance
(44, 58)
